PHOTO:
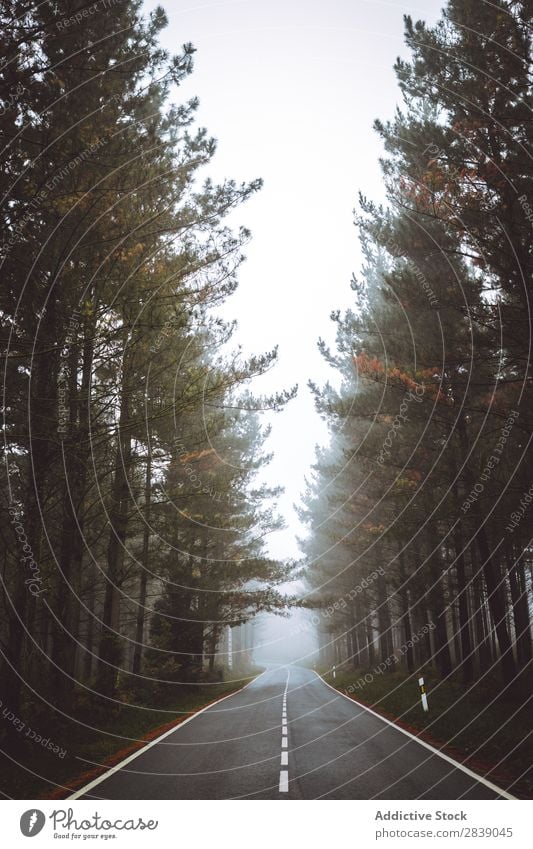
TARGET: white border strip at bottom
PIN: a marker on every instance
(456, 764)
(130, 758)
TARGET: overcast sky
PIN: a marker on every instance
(290, 89)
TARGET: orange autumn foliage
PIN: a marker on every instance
(374, 369)
(196, 455)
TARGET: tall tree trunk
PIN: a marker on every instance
(491, 571)
(370, 640)
(497, 605)
(384, 624)
(42, 418)
(76, 451)
(354, 648)
(110, 650)
(143, 582)
(406, 613)
(88, 660)
(517, 583)
(437, 605)
(467, 663)
(362, 641)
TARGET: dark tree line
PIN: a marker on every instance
(419, 511)
(132, 529)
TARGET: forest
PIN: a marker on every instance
(419, 545)
(132, 527)
(134, 517)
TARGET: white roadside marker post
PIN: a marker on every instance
(423, 695)
(230, 648)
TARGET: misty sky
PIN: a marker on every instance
(290, 88)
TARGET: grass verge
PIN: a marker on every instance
(94, 741)
(487, 729)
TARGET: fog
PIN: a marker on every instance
(281, 640)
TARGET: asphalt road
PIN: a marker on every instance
(329, 747)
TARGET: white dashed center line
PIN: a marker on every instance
(284, 773)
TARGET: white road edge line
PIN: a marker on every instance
(149, 745)
(456, 764)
